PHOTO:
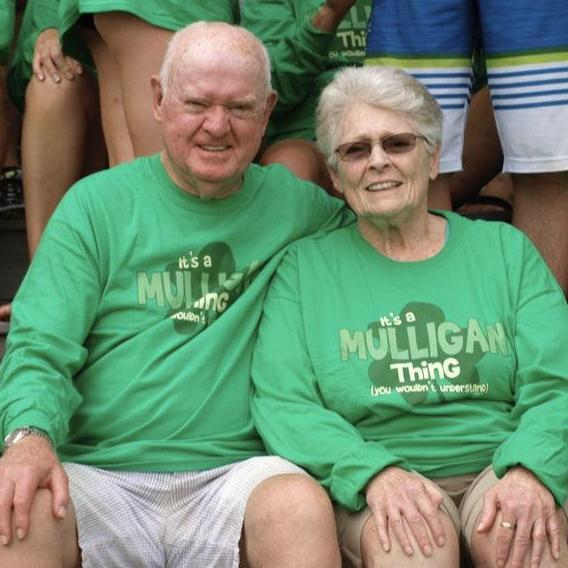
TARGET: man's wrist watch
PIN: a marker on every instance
(20, 433)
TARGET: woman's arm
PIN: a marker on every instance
(288, 409)
(533, 461)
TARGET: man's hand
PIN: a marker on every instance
(29, 465)
(330, 14)
(49, 58)
(528, 515)
(396, 494)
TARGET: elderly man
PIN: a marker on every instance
(124, 393)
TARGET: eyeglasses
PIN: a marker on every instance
(393, 144)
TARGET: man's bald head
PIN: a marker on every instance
(216, 38)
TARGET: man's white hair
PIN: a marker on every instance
(180, 45)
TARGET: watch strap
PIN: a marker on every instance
(20, 433)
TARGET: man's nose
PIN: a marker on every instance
(217, 120)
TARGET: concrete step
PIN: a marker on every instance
(13, 264)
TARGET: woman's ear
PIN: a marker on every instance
(435, 164)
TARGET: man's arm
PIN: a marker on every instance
(52, 314)
(298, 49)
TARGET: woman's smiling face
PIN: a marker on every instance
(383, 185)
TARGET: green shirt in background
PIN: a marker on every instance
(7, 15)
(167, 14)
(132, 333)
(303, 58)
(442, 366)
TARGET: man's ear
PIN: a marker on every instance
(270, 104)
(157, 97)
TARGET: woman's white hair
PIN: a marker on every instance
(235, 37)
(389, 88)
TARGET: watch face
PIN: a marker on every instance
(20, 433)
(14, 437)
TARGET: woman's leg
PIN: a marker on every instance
(51, 164)
(484, 546)
(374, 556)
(117, 137)
(138, 49)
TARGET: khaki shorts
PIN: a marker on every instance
(463, 501)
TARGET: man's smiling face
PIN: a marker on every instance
(213, 116)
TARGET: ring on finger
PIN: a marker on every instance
(507, 525)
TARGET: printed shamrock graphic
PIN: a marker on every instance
(424, 350)
(212, 283)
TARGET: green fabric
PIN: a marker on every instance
(303, 59)
(131, 335)
(39, 15)
(7, 14)
(350, 339)
(168, 14)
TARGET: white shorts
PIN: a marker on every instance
(146, 520)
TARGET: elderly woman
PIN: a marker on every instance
(415, 362)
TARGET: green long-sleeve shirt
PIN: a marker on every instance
(168, 14)
(132, 333)
(442, 366)
(303, 58)
(7, 14)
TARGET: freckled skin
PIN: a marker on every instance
(208, 147)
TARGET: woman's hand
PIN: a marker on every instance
(528, 515)
(49, 58)
(395, 494)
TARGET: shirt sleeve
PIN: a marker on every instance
(52, 314)
(540, 441)
(288, 409)
(298, 51)
(7, 16)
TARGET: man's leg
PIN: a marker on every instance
(51, 543)
(526, 70)
(289, 522)
(541, 211)
(303, 158)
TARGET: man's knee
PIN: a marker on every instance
(289, 520)
(294, 499)
(302, 157)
